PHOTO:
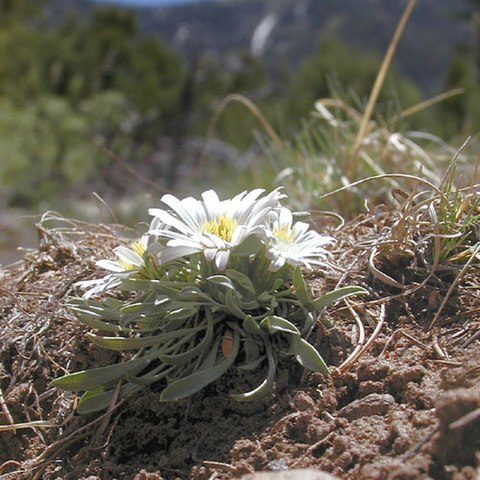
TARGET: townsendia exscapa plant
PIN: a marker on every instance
(212, 284)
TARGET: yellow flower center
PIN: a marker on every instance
(221, 226)
(284, 233)
(138, 247)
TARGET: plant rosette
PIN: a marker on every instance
(212, 284)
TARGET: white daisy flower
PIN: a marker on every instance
(294, 243)
(129, 258)
(210, 225)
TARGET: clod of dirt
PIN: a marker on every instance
(458, 426)
(373, 404)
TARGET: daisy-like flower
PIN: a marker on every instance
(129, 258)
(293, 243)
(210, 225)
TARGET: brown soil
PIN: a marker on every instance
(406, 407)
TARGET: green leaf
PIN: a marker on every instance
(184, 387)
(221, 280)
(234, 305)
(250, 246)
(251, 326)
(135, 343)
(199, 349)
(274, 324)
(336, 295)
(95, 400)
(242, 280)
(90, 379)
(301, 288)
(265, 386)
(307, 355)
(95, 321)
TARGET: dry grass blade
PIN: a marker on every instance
(428, 103)
(19, 426)
(351, 169)
(453, 286)
(252, 108)
(383, 277)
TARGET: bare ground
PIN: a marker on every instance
(403, 401)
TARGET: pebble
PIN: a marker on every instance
(296, 474)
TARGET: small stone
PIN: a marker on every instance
(296, 474)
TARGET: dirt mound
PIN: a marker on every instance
(402, 403)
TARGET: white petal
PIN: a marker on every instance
(239, 235)
(277, 263)
(285, 218)
(173, 253)
(169, 219)
(211, 203)
(221, 259)
(129, 256)
(210, 253)
(179, 207)
(109, 265)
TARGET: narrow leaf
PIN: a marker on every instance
(221, 280)
(90, 379)
(265, 386)
(250, 246)
(186, 386)
(93, 401)
(242, 280)
(307, 355)
(251, 326)
(274, 324)
(336, 295)
(301, 288)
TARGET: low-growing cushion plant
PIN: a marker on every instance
(212, 284)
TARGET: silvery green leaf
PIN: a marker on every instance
(242, 280)
(250, 305)
(221, 280)
(181, 314)
(336, 295)
(233, 304)
(201, 347)
(252, 364)
(90, 379)
(135, 343)
(265, 386)
(251, 326)
(95, 321)
(278, 283)
(301, 288)
(196, 294)
(274, 324)
(264, 297)
(307, 355)
(191, 384)
(250, 246)
(95, 400)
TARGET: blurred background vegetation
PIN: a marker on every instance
(93, 103)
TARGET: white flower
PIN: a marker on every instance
(294, 243)
(129, 258)
(210, 225)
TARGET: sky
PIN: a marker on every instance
(148, 3)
